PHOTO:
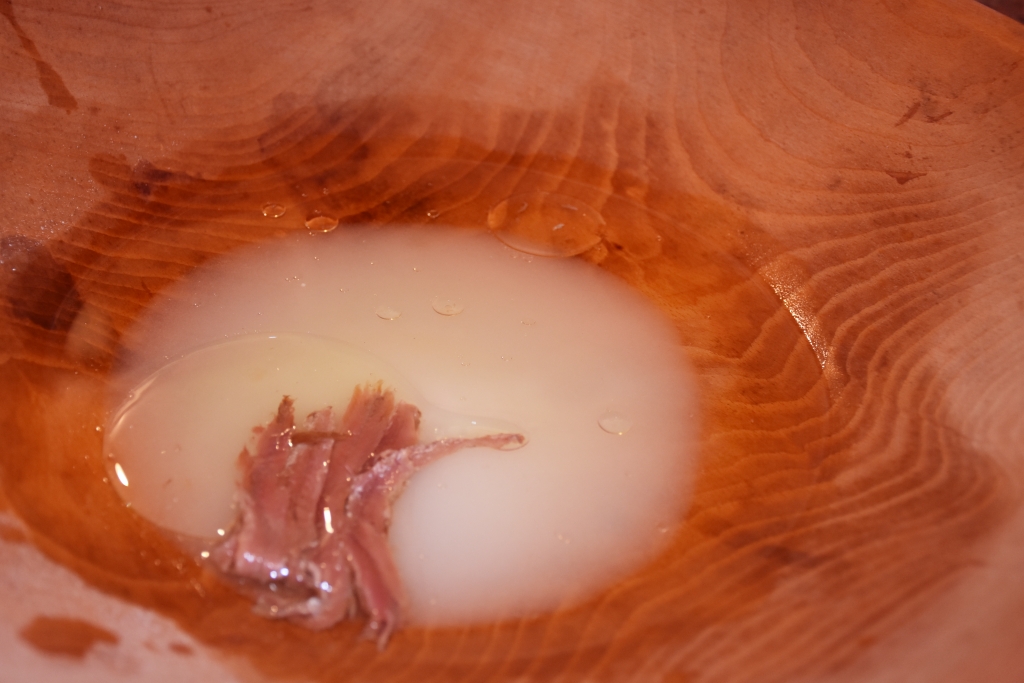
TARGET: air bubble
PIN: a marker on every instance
(433, 213)
(388, 313)
(320, 223)
(615, 422)
(273, 210)
(447, 306)
(546, 224)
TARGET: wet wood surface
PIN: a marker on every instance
(826, 198)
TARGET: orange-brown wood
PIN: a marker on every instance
(824, 195)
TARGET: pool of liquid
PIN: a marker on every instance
(480, 337)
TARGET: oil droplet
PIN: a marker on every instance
(615, 423)
(273, 210)
(433, 213)
(546, 224)
(388, 313)
(447, 306)
(320, 223)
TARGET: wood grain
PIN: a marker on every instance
(825, 197)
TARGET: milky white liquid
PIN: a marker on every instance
(482, 339)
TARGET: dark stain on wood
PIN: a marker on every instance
(909, 114)
(38, 288)
(935, 118)
(64, 636)
(904, 177)
(57, 93)
(1011, 8)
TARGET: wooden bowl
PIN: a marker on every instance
(825, 196)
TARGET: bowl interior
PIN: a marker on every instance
(855, 457)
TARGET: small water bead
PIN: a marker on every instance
(433, 213)
(320, 223)
(388, 313)
(615, 423)
(546, 224)
(446, 306)
(272, 210)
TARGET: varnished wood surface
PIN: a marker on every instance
(824, 196)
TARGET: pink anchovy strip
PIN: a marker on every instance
(310, 541)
